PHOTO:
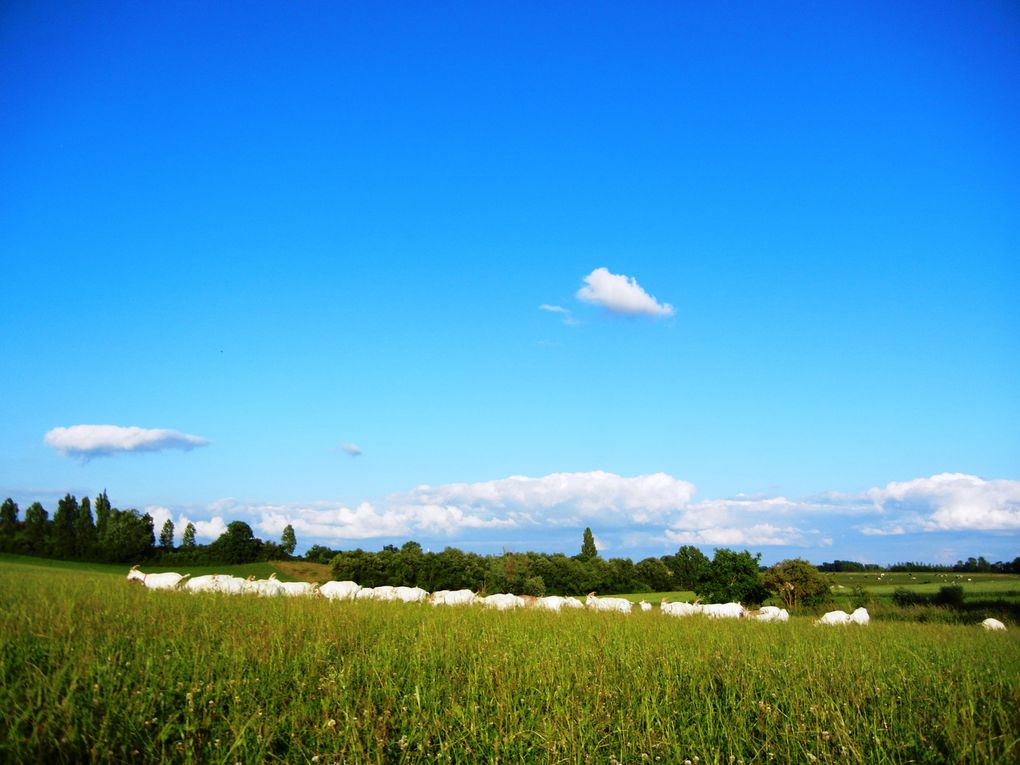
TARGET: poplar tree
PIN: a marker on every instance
(288, 541)
(166, 536)
(85, 534)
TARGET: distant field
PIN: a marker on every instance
(97, 670)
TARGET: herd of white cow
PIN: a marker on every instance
(271, 587)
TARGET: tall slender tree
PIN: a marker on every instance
(8, 524)
(37, 529)
(63, 532)
(188, 539)
(288, 541)
(102, 513)
(166, 536)
(588, 549)
(85, 536)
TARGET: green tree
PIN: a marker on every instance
(732, 577)
(62, 532)
(166, 536)
(128, 537)
(654, 574)
(689, 567)
(288, 541)
(588, 549)
(37, 530)
(8, 525)
(188, 540)
(103, 509)
(85, 536)
(236, 545)
(797, 583)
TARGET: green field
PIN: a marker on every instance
(96, 670)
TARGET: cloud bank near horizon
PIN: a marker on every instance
(655, 509)
(88, 441)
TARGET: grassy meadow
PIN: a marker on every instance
(96, 670)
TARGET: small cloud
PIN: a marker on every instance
(87, 441)
(352, 450)
(568, 317)
(620, 294)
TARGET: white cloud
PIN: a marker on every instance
(952, 502)
(211, 529)
(568, 316)
(760, 534)
(160, 515)
(620, 294)
(566, 498)
(352, 450)
(101, 440)
(321, 520)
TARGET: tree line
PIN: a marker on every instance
(727, 576)
(972, 565)
(111, 535)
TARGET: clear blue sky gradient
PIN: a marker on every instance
(285, 227)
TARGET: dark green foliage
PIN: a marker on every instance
(36, 530)
(85, 536)
(655, 574)
(797, 583)
(62, 530)
(948, 597)
(236, 545)
(733, 577)
(103, 509)
(288, 541)
(320, 554)
(8, 525)
(188, 538)
(588, 549)
(166, 536)
(128, 537)
(689, 566)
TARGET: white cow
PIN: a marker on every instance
(771, 614)
(266, 588)
(452, 598)
(860, 616)
(166, 581)
(993, 624)
(365, 593)
(834, 617)
(410, 594)
(723, 610)
(620, 605)
(299, 589)
(502, 601)
(206, 583)
(550, 603)
(680, 608)
(339, 590)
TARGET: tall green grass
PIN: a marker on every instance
(93, 669)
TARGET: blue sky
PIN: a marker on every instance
(684, 273)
